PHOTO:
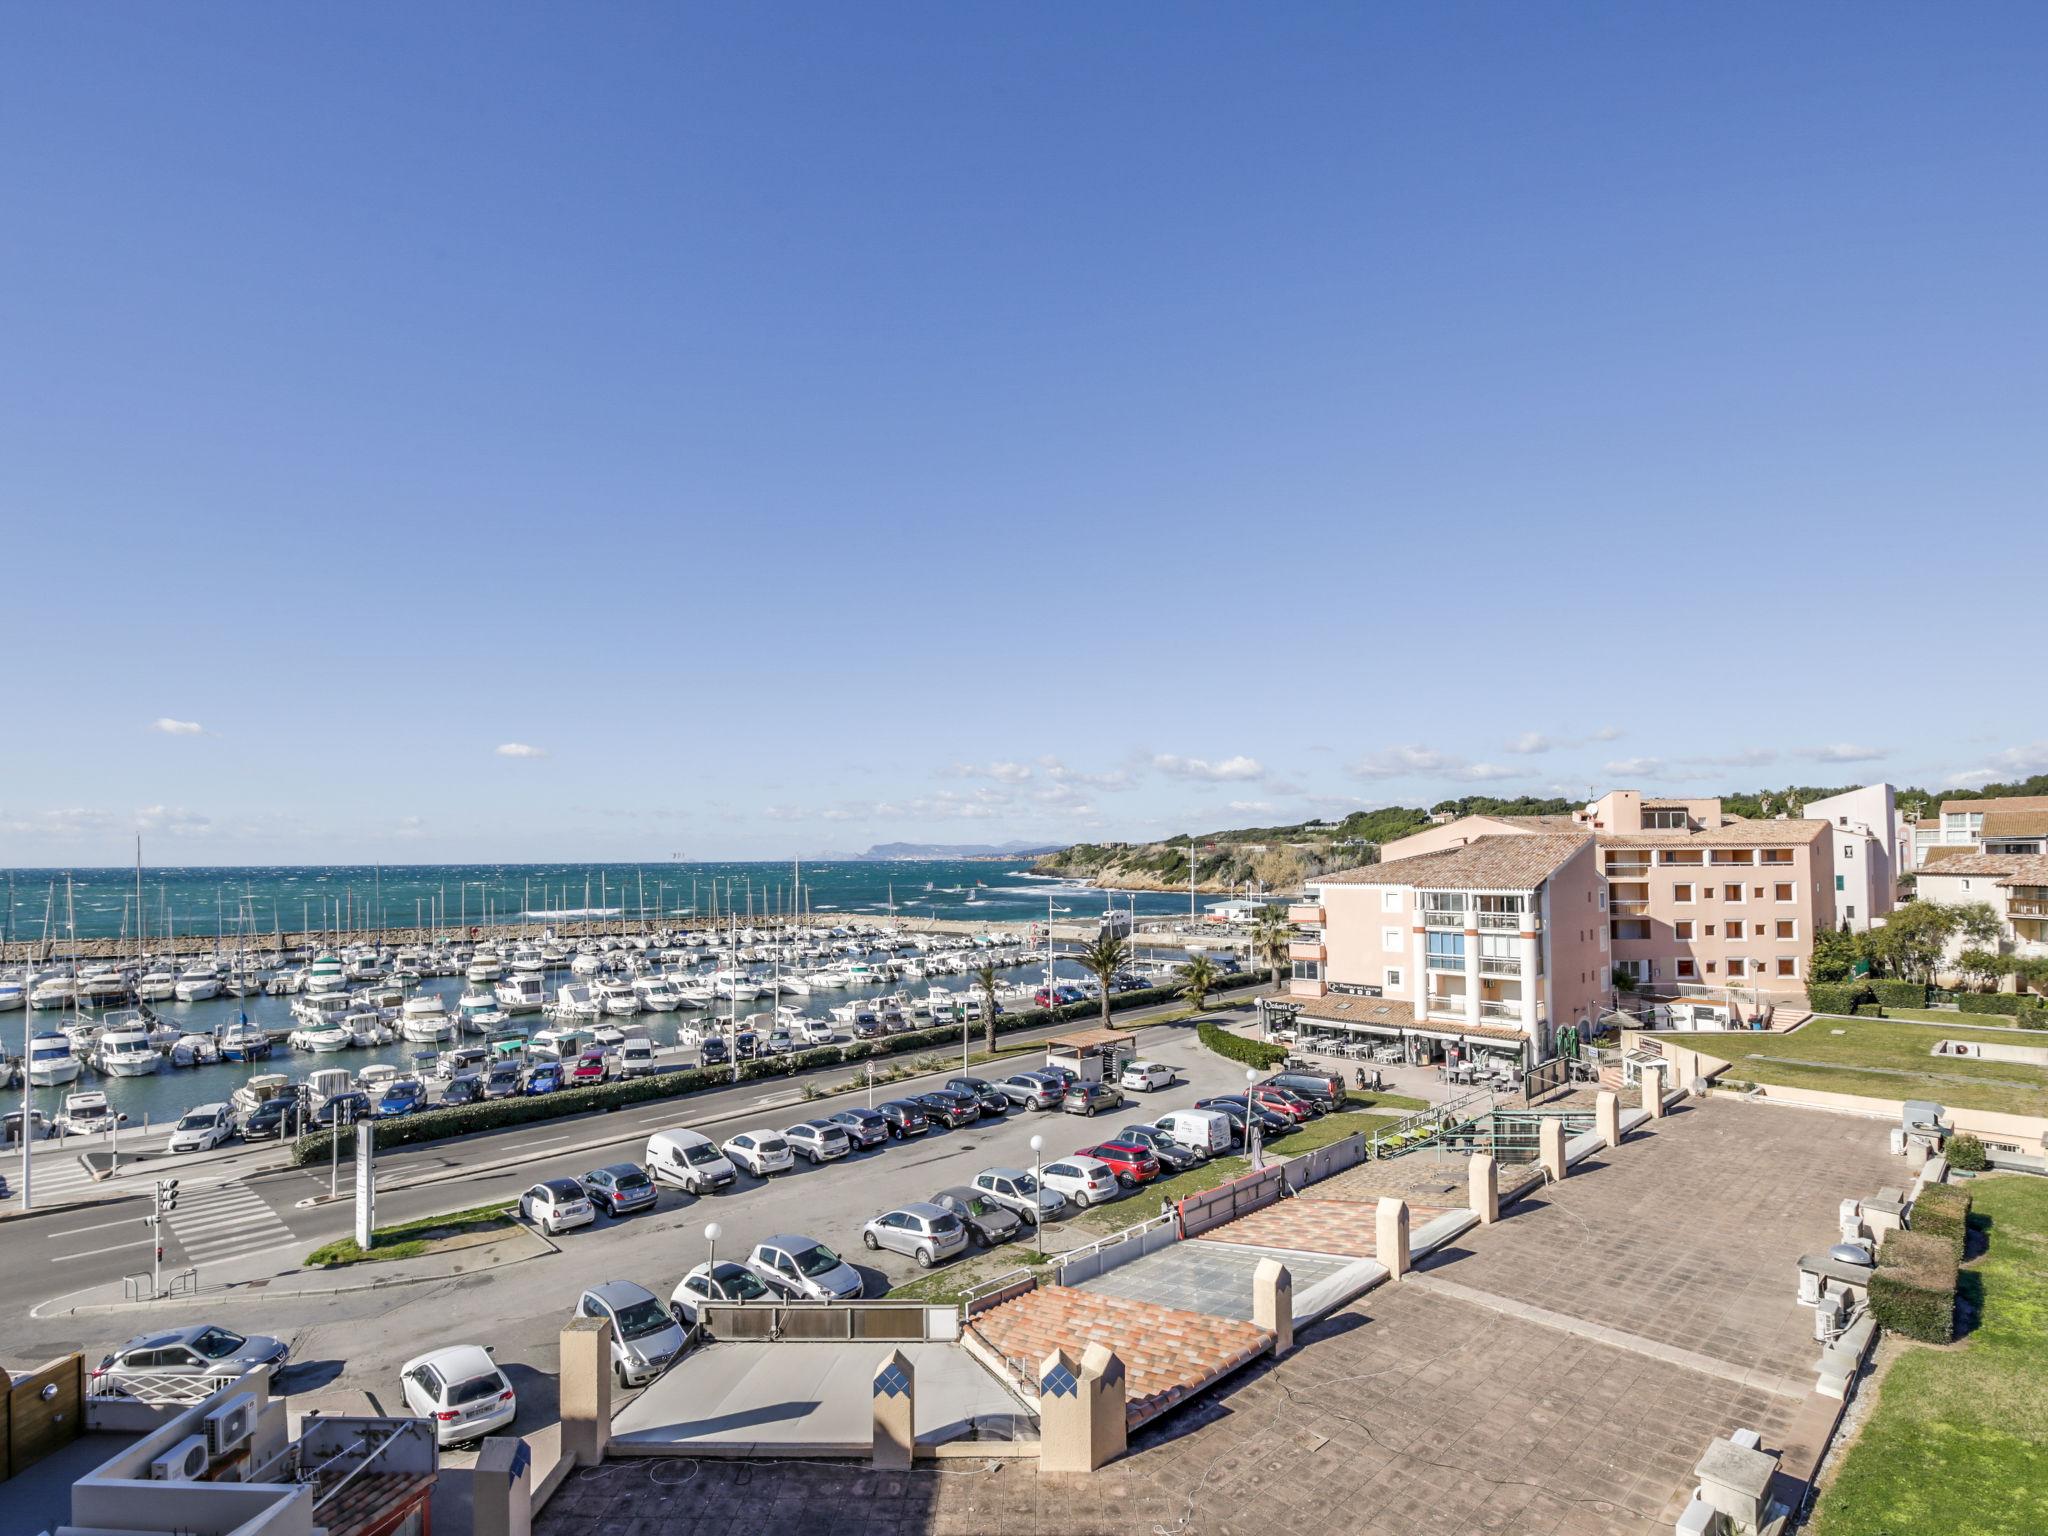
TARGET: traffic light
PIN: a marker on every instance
(167, 1196)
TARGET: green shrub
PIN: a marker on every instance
(1899, 994)
(1966, 1152)
(1943, 1211)
(1253, 1053)
(2006, 1003)
(1913, 1291)
(1838, 997)
(2033, 1016)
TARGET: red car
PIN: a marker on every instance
(590, 1067)
(1131, 1163)
(1281, 1102)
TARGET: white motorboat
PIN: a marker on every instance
(527, 957)
(479, 1011)
(242, 1041)
(484, 965)
(828, 980)
(51, 1061)
(157, 986)
(197, 983)
(321, 1007)
(104, 984)
(194, 1050)
(423, 1019)
(371, 1026)
(124, 1049)
(13, 993)
(325, 974)
(657, 994)
(574, 1000)
(333, 1035)
(522, 992)
(694, 992)
(53, 992)
(615, 997)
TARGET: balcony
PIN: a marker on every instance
(1442, 917)
(1628, 869)
(2027, 909)
(1629, 908)
(1499, 965)
(1306, 915)
(1299, 948)
(1506, 922)
(1447, 963)
(1511, 1012)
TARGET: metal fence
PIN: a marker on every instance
(996, 1290)
(153, 1388)
(1226, 1202)
(1119, 1248)
(829, 1321)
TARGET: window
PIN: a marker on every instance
(1711, 967)
(1710, 930)
(1787, 966)
(1848, 850)
(1688, 970)
(1390, 938)
(1393, 977)
(1664, 820)
(1735, 965)
(1731, 893)
(1782, 891)
(1842, 885)
(1682, 928)
(1390, 901)
(1848, 914)
(1308, 970)
(1787, 929)
(1734, 930)
(1681, 893)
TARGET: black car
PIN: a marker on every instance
(867, 1027)
(1269, 1122)
(1170, 1153)
(993, 1100)
(986, 1222)
(949, 1108)
(343, 1109)
(713, 1052)
(504, 1080)
(274, 1117)
(466, 1089)
(864, 1127)
(1319, 1088)
(746, 1045)
(618, 1188)
(905, 1117)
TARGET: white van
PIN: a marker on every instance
(636, 1057)
(1202, 1130)
(688, 1161)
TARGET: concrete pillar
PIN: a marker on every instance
(1607, 1117)
(1391, 1233)
(895, 1396)
(1080, 1410)
(1273, 1303)
(586, 1389)
(1735, 1478)
(501, 1488)
(1652, 1080)
(1484, 1182)
(1550, 1147)
(1471, 978)
(1105, 1391)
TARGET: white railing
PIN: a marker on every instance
(1489, 1009)
(1499, 965)
(1511, 922)
(1443, 917)
(155, 1388)
(1446, 962)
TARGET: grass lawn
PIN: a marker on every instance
(1879, 1058)
(947, 1286)
(1945, 1017)
(1958, 1441)
(408, 1240)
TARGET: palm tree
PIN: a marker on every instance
(1198, 978)
(1102, 960)
(1271, 934)
(985, 978)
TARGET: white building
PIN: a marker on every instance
(1873, 847)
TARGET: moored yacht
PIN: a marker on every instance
(615, 996)
(424, 1019)
(157, 986)
(484, 965)
(573, 1000)
(479, 1011)
(242, 1041)
(124, 1050)
(197, 983)
(522, 992)
(657, 994)
(51, 1060)
(58, 991)
(325, 974)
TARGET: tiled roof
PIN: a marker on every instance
(1540, 823)
(2029, 869)
(2015, 823)
(1964, 861)
(1736, 834)
(1482, 1031)
(1167, 1354)
(1386, 1012)
(1997, 803)
(1505, 861)
(1948, 853)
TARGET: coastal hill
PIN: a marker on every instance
(956, 851)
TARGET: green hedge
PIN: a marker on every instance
(1253, 1053)
(1943, 1211)
(2006, 1003)
(2033, 1015)
(1913, 1291)
(496, 1114)
(1837, 996)
(1966, 1154)
(1899, 994)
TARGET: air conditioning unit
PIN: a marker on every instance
(185, 1462)
(231, 1423)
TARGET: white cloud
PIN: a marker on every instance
(172, 727)
(1251, 807)
(1531, 742)
(1843, 752)
(520, 749)
(1113, 779)
(1413, 761)
(1228, 770)
(2012, 763)
(1638, 767)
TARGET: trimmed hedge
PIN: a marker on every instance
(1899, 994)
(496, 1114)
(1965, 1153)
(1913, 1291)
(2033, 1016)
(1943, 1211)
(2006, 1003)
(1253, 1053)
(1838, 996)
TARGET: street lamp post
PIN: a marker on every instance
(711, 1243)
(1037, 1188)
(1251, 1116)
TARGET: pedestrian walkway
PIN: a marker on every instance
(224, 1222)
(58, 1181)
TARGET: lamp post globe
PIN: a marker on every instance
(711, 1235)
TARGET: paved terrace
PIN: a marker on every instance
(1557, 1374)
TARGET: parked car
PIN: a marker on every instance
(1172, 1156)
(466, 1089)
(401, 1096)
(987, 1222)
(712, 1053)
(760, 1152)
(645, 1338)
(1320, 1088)
(618, 1188)
(1082, 1179)
(636, 1057)
(542, 1077)
(592, 1066)
(1205, 1132)
(921, 1231)
(805, 1266)
(746, 1045)
(950, 1109)
(905, 1118)
(725, 1281)
(281, 1116)
(460, 1390)
(1131, 1162)
(1146, 1076)
(864, 1127)
(342, 1109)
(780, 1042)
(1270, 1122)
(1090, 1098)
(1016, 1190)
(504, 1080)
(818, 1141)
(202, 1128)
(556, 1205)
(203, 1349)
(1060, 1073)
(1281, 1102)
(688, 1160)
(987, 1096)
(1033, 1090)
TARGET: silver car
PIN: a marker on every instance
(1016, 1190)
(925, 1232)
(203, 1350)
(645, 1338)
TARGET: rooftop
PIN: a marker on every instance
(1734, 833)
(2010, 868)
(1987, 805)
(1510, 861)
(2015, 823)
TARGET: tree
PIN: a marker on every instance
(1271, 934)
(985, 978)
(1911, 943)
(1198, 979)
(1835, 953)
(1981, 966)
(1624, 982)
(1103, 959)
(1977, 923)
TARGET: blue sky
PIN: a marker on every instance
(800, 427)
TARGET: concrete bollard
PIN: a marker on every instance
(1550, 1148)
(1105, 1390)
(1652, 1080)
(1273, 1303)
(1484, 1181)
(501, 1488)
(586, 1389)
(895, 1429)
(1391, 1236)
(1607, 1117)
(1080, 1410)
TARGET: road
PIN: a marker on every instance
(359, 1340)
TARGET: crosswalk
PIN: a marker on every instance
(224, 1222)
(58, 1181)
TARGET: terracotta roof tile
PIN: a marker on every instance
(1504, 861)
(1733, 834)
(2015, 823)
(1988, 804)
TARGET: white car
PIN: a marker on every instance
(760, 1152)
(805, 1268)
(725, 1281)
(461, 1390)
(1146, 1076)
(202, 1129)
(645, 1338)
(816, 1031)
(1083, 1180)
(555, 1205)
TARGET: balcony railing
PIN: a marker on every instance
(1627, 869)
(1305, 915)
(1441, 917)
(2027, 909)
(1629, 908)
(1507, 922)
(1492, 1010)
(1499, 965)
(1447, 962)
